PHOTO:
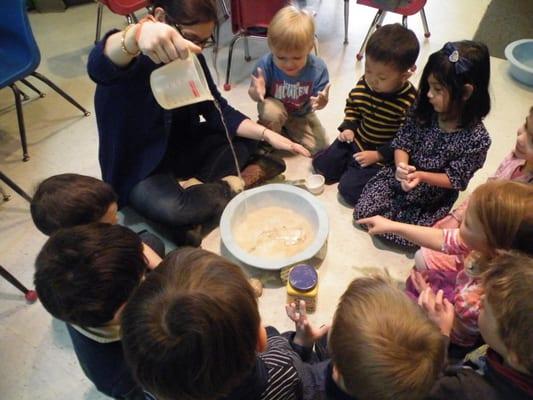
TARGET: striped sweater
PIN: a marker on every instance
(375, 117)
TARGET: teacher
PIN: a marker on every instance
(146, 151)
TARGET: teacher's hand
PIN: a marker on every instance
(163, 43)
(282, 143)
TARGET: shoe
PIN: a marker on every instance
(260, 169)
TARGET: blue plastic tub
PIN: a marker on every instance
(520, 56)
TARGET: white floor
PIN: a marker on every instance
(37, 361)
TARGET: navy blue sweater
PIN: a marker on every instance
(133, 129)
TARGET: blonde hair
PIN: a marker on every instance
(507, 283)
(383, 345)
(505, 211)
(291, 29)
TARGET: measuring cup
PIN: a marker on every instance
(180, 83)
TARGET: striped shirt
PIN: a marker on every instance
(375, 117)
(283, 379)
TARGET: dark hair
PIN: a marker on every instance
(393, 44)
(66, 200)
(84, 274)
(189, 12)
(190, 331)
(477, 106)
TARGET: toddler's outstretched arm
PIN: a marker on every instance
(424, 236)
(306, 334)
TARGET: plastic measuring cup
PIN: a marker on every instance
(180, 83)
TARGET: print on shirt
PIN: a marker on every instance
(292, 95)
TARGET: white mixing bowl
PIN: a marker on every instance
(274, 195)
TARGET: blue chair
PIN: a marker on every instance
(31, 295)
(20, 58)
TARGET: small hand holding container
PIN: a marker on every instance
(180, 83)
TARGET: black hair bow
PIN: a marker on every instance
(461, 64)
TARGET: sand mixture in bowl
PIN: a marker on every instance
(273, 232)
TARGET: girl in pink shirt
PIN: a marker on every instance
(499, 216)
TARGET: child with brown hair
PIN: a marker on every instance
(382, 346)
(67, 200)
(506, 323)
(84, 275)
(193, 331)
(290, 84)
(499, 217)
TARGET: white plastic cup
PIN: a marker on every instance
(180, 83)
(315, 183)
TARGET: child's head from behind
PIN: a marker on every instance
(506, 317)
(499, 217)
(192, 328)
(390, 54)
(524, 140)
(382, 345)
(455, 83)
(66, 200)
(85, 274)
(291, 35)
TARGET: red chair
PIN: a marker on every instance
(404, 8)
(126, 8)
(250, 18)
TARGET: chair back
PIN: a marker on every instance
(124, 7)
(402, 7)
(19, 53)
(247, 14)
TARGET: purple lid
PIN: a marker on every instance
(303, 277)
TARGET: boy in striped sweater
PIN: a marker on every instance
(376, 107)
(193, 331)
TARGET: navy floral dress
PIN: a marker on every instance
(458, 154)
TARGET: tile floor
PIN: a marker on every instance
(37, 361)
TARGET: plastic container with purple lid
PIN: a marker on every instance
(302, 284)
(303, 277)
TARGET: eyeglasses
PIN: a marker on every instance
(203, 43)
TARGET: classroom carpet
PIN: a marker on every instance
(504, 22)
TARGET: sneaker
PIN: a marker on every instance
(260, 169)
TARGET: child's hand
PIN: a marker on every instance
(412, 181)
(346, 135)
(438, 309)
(282, 143)
(151, 257)
(402, 170)
(367, 158)
(377, 224)
(306, 334)
(257, 89)
(321, 100)
(419, 280)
